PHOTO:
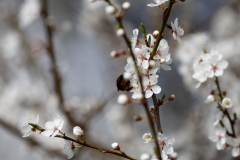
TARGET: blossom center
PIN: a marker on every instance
(149, 86)
(214, 68)
(159, 52)
(142, 57)
(162, 143)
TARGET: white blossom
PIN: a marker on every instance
(208, 65)
(142, 56)
(219, 136)
(69, 149)
(158, 3)
(227, 103)
(134, 39)
(147, 137)
(30, 10)
(28, 129)
(216, 66)
(150, 86)
(163, 56)
(200, 74)
(177, 31)
(52, 128)
(136, 89)
(166, 144)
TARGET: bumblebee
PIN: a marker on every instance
(123, 84)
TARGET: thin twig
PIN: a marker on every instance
(157, 114)
(96, 148)
(14, 131)
(55, 72)
(164, 23)
(224, 110)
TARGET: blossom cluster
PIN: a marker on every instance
(52, 129)
(221, 135)
(148, 66)
(208, 65)
(165, 144)
(211, 65)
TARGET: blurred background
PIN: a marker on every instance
(82, 38)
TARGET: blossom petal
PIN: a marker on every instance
(219, 72)
(135, 33)
(145, 64)
(49, 125)
(219, 145)
(152, 5)
(47, 133)
(176, 22)
(148, 93)
(156, 89)
(235, 151)
(169, 150)
(166, 67)
(36, 120)
(223, 64)
(55, 133)
(180, 41)
(28, 133)
(26, 128)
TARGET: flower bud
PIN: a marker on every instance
(77, 131)
(156, 34)
(224, 93)
(162, 60)
(145, 156)
(171, 97)
(115, 146)
(127, 75)
(123, 99)
(110, 9)
(210, 99)
(152, 64)
(137, 118)
(174, 155)
(120, 32)
(114, 54)
(126, 5)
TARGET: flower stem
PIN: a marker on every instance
(51, 52)
(164, 23)
(157, 114)
(96, 148)
(224, 110)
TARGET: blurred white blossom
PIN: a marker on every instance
(52, 128)
(219, 136)
(28, 129)
(29, 11)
